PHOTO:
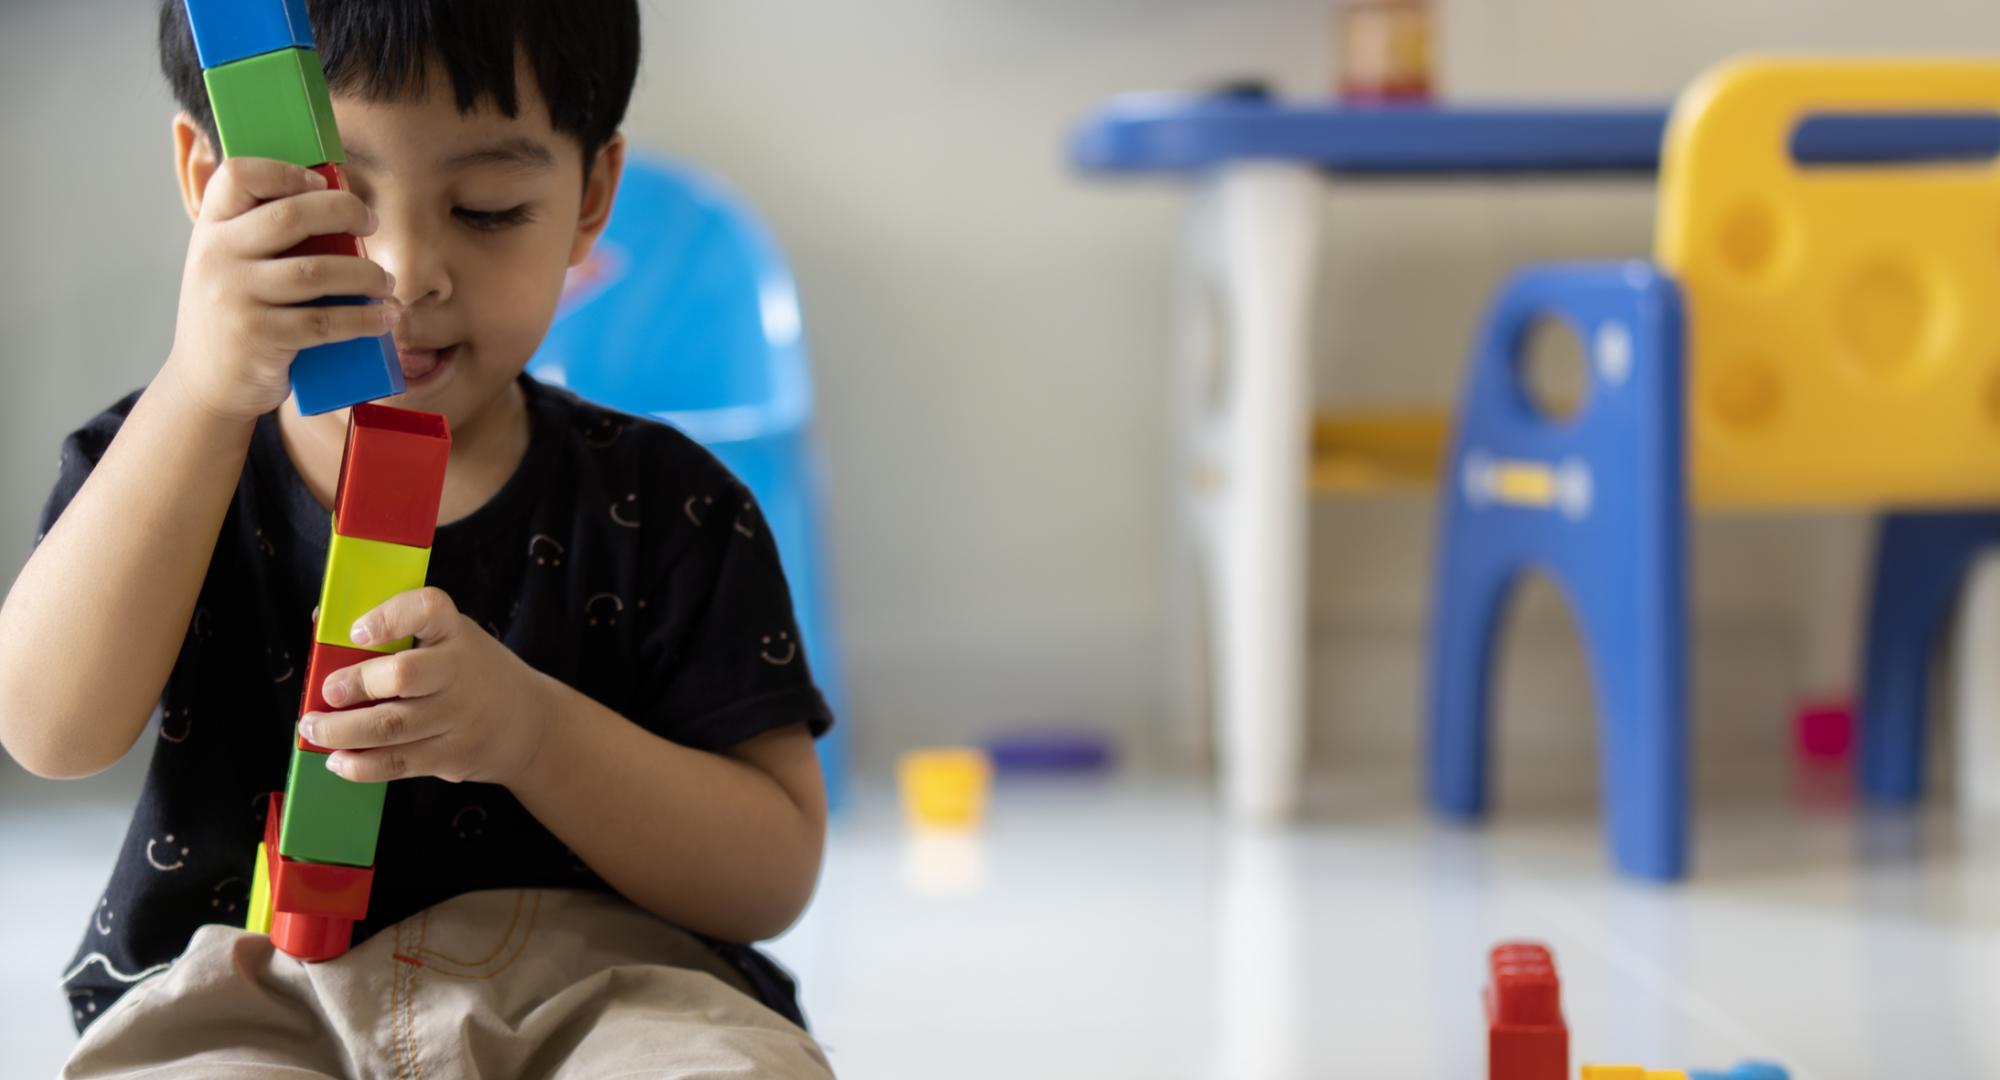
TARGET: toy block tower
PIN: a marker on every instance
(270, 100)
(1526, 1038)
(319, 837)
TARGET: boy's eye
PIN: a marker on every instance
(491, 219)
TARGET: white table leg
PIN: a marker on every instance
(1246, 399)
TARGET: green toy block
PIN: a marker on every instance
(360, 574)
(275, 106)
(327, 819)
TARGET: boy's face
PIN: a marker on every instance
(478, 215)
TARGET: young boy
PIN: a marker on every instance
(605, 784)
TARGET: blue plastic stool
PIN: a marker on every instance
(1596, 501)
(687, 313)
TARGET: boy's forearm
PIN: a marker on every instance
(91, 627)
(705, 841)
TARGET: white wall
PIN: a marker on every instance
(991, 331)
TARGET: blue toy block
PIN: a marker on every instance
(226, 31)
(1921, 561)
(328, 377)
(1748, 1070)
(1597, 502)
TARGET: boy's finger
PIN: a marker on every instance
(304, 327)
(387, 723)
(311, 277)
(240, 185)
(412, 673)
(283, 224)
(426, 614)
(387, 763)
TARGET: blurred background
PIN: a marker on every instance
(992, 337)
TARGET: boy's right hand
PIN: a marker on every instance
(238, 327)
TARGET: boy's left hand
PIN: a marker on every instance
(459, 706)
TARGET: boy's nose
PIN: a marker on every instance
(420, 274)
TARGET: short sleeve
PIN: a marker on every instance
(721, 655)
(82, 449)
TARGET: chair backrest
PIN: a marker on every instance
(1843, 318)
(685, 312)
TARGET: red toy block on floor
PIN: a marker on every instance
(1526, 1038)
(392, 475)
(333, 243)
(327, 659)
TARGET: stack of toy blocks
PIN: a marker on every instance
(270, 100)
(1526, 1038)
(314, 867)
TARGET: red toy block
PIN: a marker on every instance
(323, 889)
(1526, 1038)
(333, 243)
(1824, 730)
(327, 659)
(392, 475)
(311, 938)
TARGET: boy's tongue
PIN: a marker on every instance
(417, 363)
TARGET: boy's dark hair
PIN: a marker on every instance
(584, 55)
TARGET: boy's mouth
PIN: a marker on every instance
(420, 364)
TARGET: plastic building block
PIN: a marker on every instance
(1049, 751)
(945, 788)
(1745, 1070)
(226, 31)
(1526, 1038)
(327, 659)
(360, 574)
(326, 889)
(275, 106)
(392, 475)
(332, 243)
(343, 373)
(328, 819)
(259, 919)
(312, 938)
(1630, 1072)
(1823, 731)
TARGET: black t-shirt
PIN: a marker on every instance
(621, 558)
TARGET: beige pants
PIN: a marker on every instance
(505, 983)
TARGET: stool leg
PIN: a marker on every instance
(1471, 595)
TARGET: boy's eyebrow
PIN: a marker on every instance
(519, 152)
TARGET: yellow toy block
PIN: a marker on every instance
(1844, 349)
(259, 921)
(1630, 1072)
(945, 788)
(360, 574)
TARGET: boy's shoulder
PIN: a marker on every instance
(626, 445)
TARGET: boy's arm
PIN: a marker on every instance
(91, 628)
(726, 845)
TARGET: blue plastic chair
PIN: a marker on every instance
(687, 313)
(1597, 502)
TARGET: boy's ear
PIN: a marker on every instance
(194, 162)
(599, 191)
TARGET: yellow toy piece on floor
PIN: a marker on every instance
(1843, 342)
(945, 787)
(1630, 1072)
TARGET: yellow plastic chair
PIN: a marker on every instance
(1840, 329)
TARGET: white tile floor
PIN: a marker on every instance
(1116, 930)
